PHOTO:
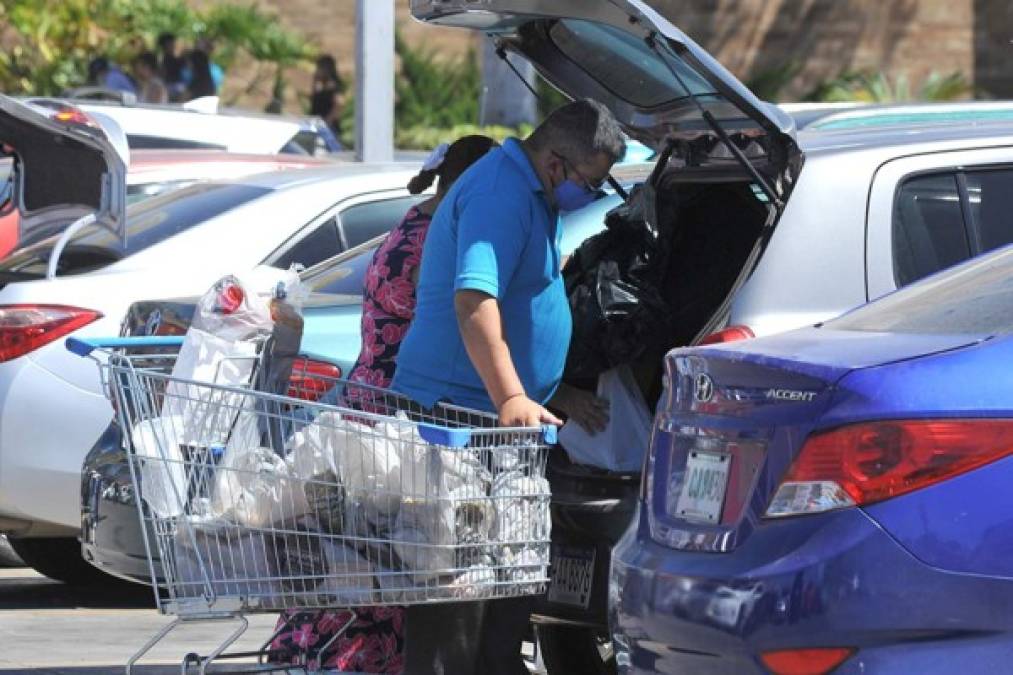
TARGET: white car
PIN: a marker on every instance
(202, 125)
(52, 409)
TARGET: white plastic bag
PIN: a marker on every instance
(255, 488)
(621, 446)
(156, 444)
(237, 564)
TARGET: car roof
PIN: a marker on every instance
(283, 180)
(888, 139)
(144, 158)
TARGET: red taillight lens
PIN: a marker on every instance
(730, 334)
(74, 116)
(805, 661)
(25, 328)
(870, 462)
(312, 379)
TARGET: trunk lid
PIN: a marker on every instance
(735, 417)
(65, 167)
(652, 76)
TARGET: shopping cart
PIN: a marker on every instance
(327, 495)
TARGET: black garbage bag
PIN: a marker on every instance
(613, 284)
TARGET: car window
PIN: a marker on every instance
(141, 191)
(990, 194)
(148, 222)
(624, 65)
(363, 222)
(974, 298)
(141, 142)
(317, 246)
(929, 233)
(345, 274)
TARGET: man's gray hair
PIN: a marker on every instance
(580, 131)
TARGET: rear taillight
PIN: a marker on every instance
(312, 379)
(25, 328)
(816, 661)
(866, 463)
(730, 334)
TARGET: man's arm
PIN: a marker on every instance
(481, 326)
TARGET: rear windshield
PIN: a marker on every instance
(344, 274)
(624, 65)
(149, 222)
(974, 298)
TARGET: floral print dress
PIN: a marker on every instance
(375, 642)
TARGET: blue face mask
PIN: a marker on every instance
(572, 196)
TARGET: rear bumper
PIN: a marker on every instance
(112, 538)
(831, 580)
(46, 427)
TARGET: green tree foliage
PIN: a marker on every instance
(435, 91)
(47, 44)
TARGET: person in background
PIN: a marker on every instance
(328, 87)
(205, 45)
(197, 75)
(152, 88)
(170, 66)
(101, 73)
(375, 643)
(492, 324)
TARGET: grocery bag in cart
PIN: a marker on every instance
(353, 496)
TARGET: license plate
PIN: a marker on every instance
(703, 491)
(572, 575)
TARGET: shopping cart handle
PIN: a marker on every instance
(460, 437)
(84, 347)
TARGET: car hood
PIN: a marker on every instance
(63, 169)
(611, 51)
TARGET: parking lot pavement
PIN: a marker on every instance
(49, 628)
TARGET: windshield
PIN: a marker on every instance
(149, 222)
(973, 298)
(344, 274)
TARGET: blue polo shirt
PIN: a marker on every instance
(494, 232)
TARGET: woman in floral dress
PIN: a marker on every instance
(375, 642)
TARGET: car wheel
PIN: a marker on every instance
(8, 558)
(569, 650)
(60, 559)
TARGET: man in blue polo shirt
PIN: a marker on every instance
(492, 324)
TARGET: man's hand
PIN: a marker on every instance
(521, 411)
(582, 407)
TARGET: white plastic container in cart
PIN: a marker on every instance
(337, 495)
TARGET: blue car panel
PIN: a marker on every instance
(917, 582)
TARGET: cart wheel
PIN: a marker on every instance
(191, 659)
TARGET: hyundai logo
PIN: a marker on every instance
(703, 388)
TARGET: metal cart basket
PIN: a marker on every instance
(328, 495)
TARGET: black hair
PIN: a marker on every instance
(96, 67)
(148, 59)
(165, 39)
(201, 82)
(329, 65)
(580, 130)
(461, 154)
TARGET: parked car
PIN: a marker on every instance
(175, 244)
(202, 125)
(781, 231)
(153, 172)
(834, 492)
(865, 116)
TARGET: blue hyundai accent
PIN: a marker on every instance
(837, 499)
